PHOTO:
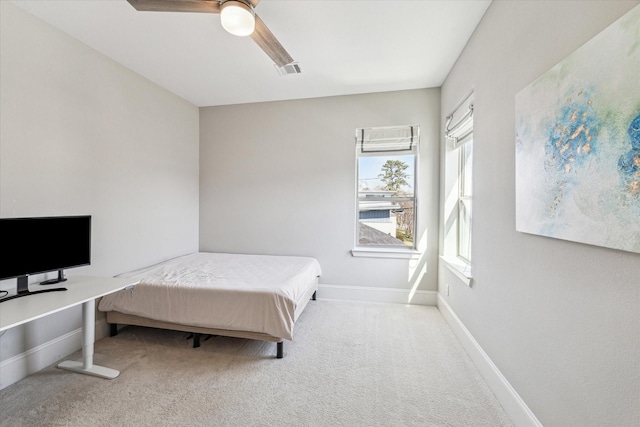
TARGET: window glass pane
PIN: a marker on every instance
(386, 222)
(464, 229)
(466, 170)
(386, 176)
(385, 216)
(465, 174)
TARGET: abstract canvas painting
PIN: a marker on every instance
(578, 143)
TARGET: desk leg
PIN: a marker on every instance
(88, 338)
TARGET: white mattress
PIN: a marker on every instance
(256, 293)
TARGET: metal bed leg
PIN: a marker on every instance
(280, 349)
(196, 340)
(313, 297)
(113, 329)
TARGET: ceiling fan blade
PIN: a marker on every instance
(201, 6)
(269, 44)
(254, 3)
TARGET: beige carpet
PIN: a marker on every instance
(350, 364)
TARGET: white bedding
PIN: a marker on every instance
(256, 293)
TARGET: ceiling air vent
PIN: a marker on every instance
(292, 68)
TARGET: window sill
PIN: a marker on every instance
(386, 253)
(461, 269)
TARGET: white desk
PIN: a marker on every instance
(81, 290)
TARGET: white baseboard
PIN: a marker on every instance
(35, 359)
(388, 295)
(512, 403)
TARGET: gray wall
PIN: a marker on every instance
(559, 319)
(279, 178)
(81, 134)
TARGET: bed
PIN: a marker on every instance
(243, 296)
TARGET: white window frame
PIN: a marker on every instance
(459, 141)
(387, 251)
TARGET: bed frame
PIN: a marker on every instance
(115, 318)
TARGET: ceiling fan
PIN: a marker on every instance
(237, 17)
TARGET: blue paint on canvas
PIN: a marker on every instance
(570, 144)
(629, 163)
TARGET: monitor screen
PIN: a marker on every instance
(39, 245)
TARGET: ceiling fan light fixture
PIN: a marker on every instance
(237, 17)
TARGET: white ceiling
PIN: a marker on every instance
(343, 46)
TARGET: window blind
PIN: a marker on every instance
(395, 138)
(459, 127)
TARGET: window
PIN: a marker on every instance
(459, 184)
(465, 188)
(386, 187)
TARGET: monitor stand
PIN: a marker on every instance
(23, 289)
(59, 279)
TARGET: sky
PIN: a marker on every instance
(370, 167)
